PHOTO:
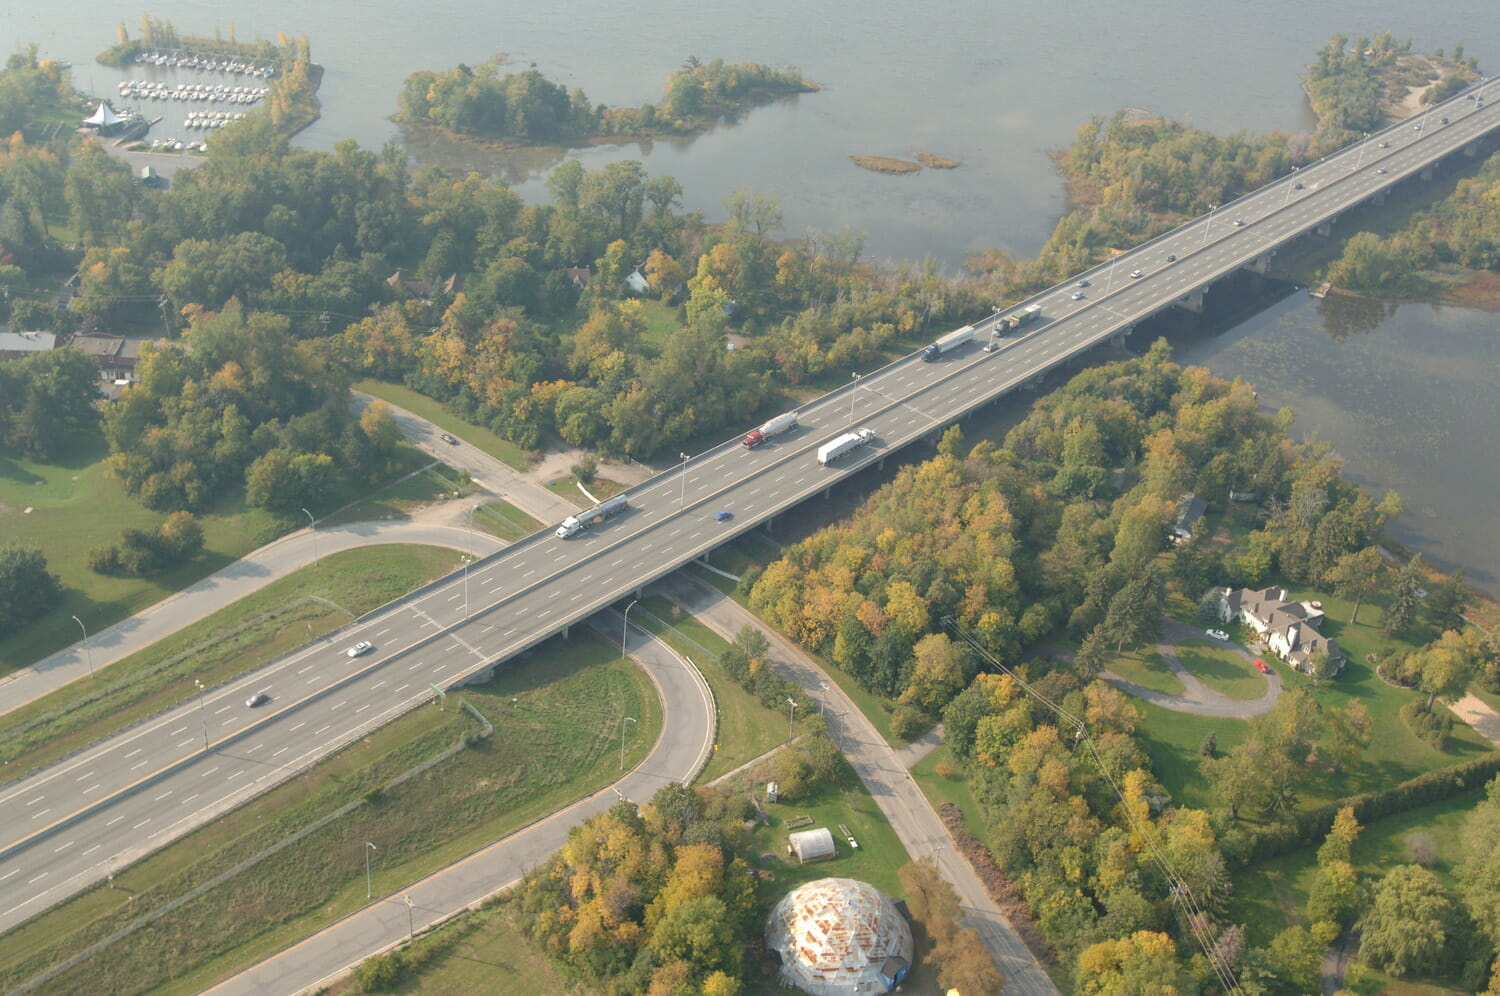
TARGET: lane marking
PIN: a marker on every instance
(91, 850)
(64, 847)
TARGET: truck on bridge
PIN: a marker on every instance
(785, 422)
(948, 343)
(575, 524)
(845, 444)
(1025, 316)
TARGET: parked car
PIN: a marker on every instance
(360, 649)
(1262, 666)
(259, 698)
(1218, 634)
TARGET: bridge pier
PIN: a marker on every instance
(1472, 150)
(1192, 302)
(1427, 173)
(1325, 230)
(1261, 264)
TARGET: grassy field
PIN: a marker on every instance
(556, 718)
(502, 519)
(434, 482)
(1145, 668)
(1221, 669)
(503, 450)
(256, 629)
(571, 489)
(951, 787)
(746, 728)
(57, 507)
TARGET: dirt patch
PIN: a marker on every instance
(997, 884)
(933, 161)
(884, 164)
(1480, 290)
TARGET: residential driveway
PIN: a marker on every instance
(886, 778)
(1197, 698)
(1477, 713)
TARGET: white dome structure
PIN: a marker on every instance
(839, 937)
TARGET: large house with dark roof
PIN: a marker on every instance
(1289, 629)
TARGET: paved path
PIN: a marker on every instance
(1197, 698)
(1477, 713)
(679, 754)
(886, 778)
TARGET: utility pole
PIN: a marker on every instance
(368, 848)
(623, 721)
(312, 524)
(88, 651)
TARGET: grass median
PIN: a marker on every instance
(282, 616)
(557, 718)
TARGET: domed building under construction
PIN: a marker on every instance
(839, 937)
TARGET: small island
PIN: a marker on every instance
(885, 164)
(526, 108)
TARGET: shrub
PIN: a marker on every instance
(908, 723)
(1432, 726)
(378, 973)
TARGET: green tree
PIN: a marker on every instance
(698, 932)
(1357, 576)
(1405, 597)
(1447, 601)
(27, 589)
(1409, 926)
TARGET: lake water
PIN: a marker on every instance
(1410, 404)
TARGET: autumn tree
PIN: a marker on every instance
(1356, 576)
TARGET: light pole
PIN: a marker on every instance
(312, 524)
(1291, 186)
(411, 929)
(683, 500)
(853, 393)
(88, 652)
(1364, 143)
(1209, 221)
(201, 714)
(791, 713)
(467, 559)
(623, 721)
(625, 629)
(368, 848)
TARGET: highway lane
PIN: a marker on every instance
(67, 826)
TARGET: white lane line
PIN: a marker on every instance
(190, 798)
(338, 705)
(306, 669)
(87, 774)
(362, 708)
(318, 732)
(252, 750)
(37, 879)
(134, 753)
(112, 822)
(280, 752)
(176, 731)
(234, 774)
(189, 740)
(377, 684)
(91, 850)
(10, 873)
(225, 709)
(527, 575)
(403, 688)
(92, 788)
(298, 727)
(38, 799)
(139, 764)
(164, 795)
(383, 631)
(141, 824)
(64, 847)
(40, 813)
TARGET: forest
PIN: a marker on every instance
(528, 108)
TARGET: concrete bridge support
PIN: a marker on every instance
(1262, 263)
(1427, 173)
(1192, 302)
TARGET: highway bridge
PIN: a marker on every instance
(69, 825)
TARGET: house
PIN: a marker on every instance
(1289, 629)
(637, 282)
(403, 281)
(19, 345)
(1190, 509)
(811, 845)
(114, 355)
(579, 275)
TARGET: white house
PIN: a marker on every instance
(1289, 629)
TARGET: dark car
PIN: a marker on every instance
(1171, 258)
(1385, 145)
(449, 440)
(723, 515)
(1239, 223)
(1297, 185)
(259, 698)
(1083, 283)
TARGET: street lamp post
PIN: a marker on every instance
(467, 559)
(411, 929)
(1364, 143)
(1291, 186)
(683, 500)
(312, 524)
(368, 848)
(791, 713)
(623, 721)
(88, 652)
(201, 714)
(625, 629)
(853, 393)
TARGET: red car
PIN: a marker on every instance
(1263, 666)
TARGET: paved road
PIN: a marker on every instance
(886, 779)
(1197, 698)
(220, 589)
(679, 754)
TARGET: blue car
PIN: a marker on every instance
(724, 516)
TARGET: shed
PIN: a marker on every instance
(812, 845)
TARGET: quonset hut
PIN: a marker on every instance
(839, 937)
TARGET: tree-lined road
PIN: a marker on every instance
(55, 843)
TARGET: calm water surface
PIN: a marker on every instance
(1411, 404)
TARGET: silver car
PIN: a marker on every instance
(360, 649)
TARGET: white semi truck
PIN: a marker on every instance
(785, 422)
(575, 524)
(947, 343)
(847, 443)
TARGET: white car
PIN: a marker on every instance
(1218, 634)
(360, 649)
(1136, 274)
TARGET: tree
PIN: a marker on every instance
(1143, 964)
(380, 427)
(1357, 576)
(1135, 611)
(1448, 601)
(1405, 598)
(1478, 874)
(965, 965)
(27, 589)
(1445, 666)
(1409, 925)
(937, 672)
(698, 932)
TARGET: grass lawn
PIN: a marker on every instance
(434, 482)
(1223, 670)
(485, 951)
(1145, 668)
(660, 321)
(952, 788)
(746, 729)
(556, 716)
(237, 639)
(433, 411)
(67, 518)
(571, 489)
(502, 519)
